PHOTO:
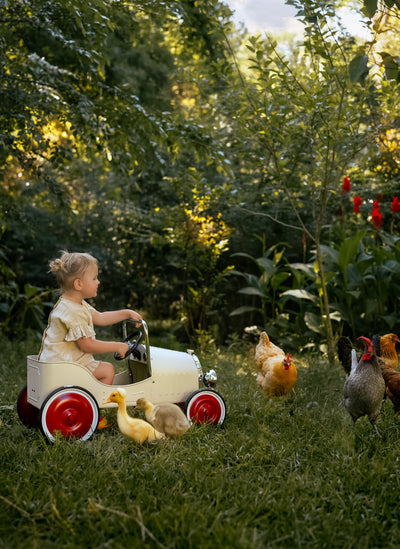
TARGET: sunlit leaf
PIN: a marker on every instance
(370, 7)
(300, 294)
(313, 322)
(358, 68)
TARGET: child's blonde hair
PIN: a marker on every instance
(69, 267)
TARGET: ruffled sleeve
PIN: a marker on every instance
(78, 321)
(76, 332)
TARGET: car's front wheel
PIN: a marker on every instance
(205, 406)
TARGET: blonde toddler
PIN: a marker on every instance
(70, 335)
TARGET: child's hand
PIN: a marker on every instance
(133, 315)
(122, 349)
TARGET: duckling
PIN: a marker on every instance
(167, 418)
(135, 428)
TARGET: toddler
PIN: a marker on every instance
(70, 335)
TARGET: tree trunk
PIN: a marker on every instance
(325, 300)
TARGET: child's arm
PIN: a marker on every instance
(95, 346)
(112, 317)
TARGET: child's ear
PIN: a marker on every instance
(77, 284)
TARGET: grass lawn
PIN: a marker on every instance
(288, 472)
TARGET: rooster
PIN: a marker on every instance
(364, 387)
(277, 373)
(385, 349)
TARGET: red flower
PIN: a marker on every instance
(376, 215)
(357, 204)
(346, 185)
(395, 207)
(376, 219)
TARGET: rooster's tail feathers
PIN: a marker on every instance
(264, 338)
(376, 342)
(344, 351)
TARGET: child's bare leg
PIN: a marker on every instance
(104, 372)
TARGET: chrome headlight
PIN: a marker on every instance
(210, 378)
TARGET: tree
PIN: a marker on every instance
(95, 127)
(308, 124)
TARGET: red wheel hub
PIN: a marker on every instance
(206, 409)
(70, 413)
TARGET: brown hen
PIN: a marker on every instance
(277, 373)
(385, 349)
(392, 382)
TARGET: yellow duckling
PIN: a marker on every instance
(167, 418)
(135, 428)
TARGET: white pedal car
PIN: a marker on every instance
(66, 397)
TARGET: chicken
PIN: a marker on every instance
(167, 418)
(385, 349)
(277, 373)
(392, 382)
(137, 429)
(364, 387)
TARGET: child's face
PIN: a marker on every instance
(90, 282)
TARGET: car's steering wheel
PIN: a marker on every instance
(132, 346)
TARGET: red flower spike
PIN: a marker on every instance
(346, 185)
(376, 218)
(395, 207)
(357, 204)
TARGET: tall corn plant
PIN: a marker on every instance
(308, 123)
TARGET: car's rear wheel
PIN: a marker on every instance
(27, 413)
(72, 411)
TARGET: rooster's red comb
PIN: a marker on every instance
(366, 343)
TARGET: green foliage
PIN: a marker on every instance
(363, 281)
(273, 276)
(358, 68)
(285, 296)
(127, 131)
(307, 127)
(20, 310)
(366, 283)
(384, 17)
(93, 135)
